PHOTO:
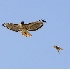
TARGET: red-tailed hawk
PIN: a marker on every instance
(24, 28)
(58, 48)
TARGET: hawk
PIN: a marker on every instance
(58, 48)
(24, 28)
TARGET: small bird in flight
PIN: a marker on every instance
(58, 48)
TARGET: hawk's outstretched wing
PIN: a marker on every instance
(33, 26)
(24, 28)
(14, 27)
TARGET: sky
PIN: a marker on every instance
(36, 52)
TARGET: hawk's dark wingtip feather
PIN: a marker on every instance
(43, 21)
(3, 25)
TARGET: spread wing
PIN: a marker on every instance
(33, 26)
(14, 27)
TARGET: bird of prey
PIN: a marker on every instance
(24, 28)
(58, 48)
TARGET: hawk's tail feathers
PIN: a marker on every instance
(61, 49)
(26, 33)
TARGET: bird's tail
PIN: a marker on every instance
(61, 49)
(26, 33)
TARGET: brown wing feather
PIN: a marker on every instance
(35, 26)
(14, 27)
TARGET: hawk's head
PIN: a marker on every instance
(22, 22)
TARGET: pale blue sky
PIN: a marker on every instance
(17, 51)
